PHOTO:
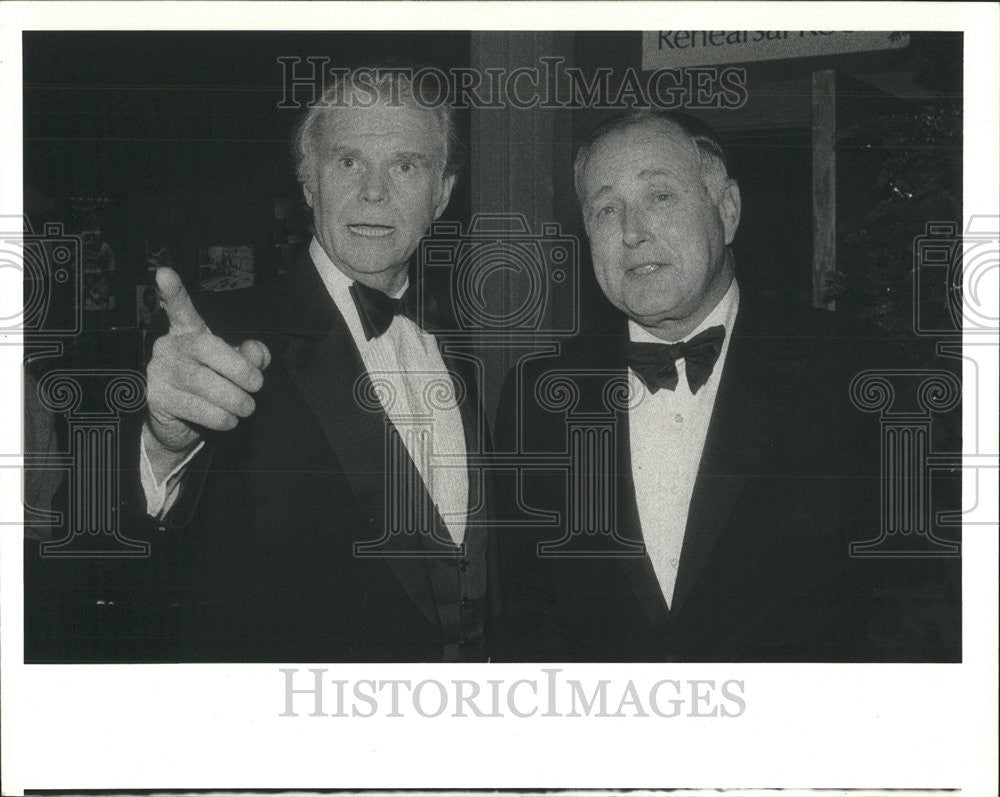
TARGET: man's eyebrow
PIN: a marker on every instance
(420, 157)
(353, 152)
(604, 189)
(344, 152)
(645, 174)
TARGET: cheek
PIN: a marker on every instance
(608, 274)
(415, 196)
(605, 243)
(606, 254)
(330, 194)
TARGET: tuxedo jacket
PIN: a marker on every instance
(286, 542)
(788, 479)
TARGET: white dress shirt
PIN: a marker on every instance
(416, 392)
(667, 432)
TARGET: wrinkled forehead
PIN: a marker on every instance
(382, 126)
(647, 141)
(640, 151)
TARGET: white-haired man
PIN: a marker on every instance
(304, 455)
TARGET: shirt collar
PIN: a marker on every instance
(723, 313)
(338, 285)
(336, 281)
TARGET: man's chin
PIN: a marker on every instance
(368, 259)
(382, 265)
(649, 313)
(648, 321)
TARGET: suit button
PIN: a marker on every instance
(466, 603)
(463, 565)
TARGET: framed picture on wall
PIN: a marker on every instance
(98, 272)
(291, 231)
(225, 268)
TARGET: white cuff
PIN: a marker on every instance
(160, 496)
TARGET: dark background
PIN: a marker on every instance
(177, 138)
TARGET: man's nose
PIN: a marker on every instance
(634, 229)
(373, 186)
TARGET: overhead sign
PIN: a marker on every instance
(669, 49)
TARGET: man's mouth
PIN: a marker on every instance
(645, 269)
(371, 230)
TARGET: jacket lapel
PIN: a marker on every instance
(465, 373)
(609, 350)
(316, 349)
(754, 388)
(637, 569)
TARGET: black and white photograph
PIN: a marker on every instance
(479, 388)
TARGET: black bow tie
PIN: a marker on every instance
(656, 363)
(377, 310)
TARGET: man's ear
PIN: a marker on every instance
(307, 193)
(447, 183)
(729, 209)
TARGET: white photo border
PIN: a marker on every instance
(73, 727)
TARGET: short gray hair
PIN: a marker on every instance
(380, 85)
(714, 163)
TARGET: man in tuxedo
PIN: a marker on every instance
(713, 516)
(304, 458)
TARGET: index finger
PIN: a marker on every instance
(175, 300)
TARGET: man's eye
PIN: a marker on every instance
(406, 167)
(662, 196)
(348, 163)
(606, 210)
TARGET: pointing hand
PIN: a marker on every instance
(195, 379)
